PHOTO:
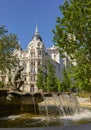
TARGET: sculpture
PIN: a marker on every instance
(17, 79)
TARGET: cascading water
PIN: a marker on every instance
(59, 105)
(43, 109)
(34, 104)
(63, 104)
(56, 110)
(58, 100)
(69, 103)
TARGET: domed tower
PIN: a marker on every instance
(36, 35)
(36, 59)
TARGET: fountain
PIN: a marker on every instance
(14, 100)
(21, 109)
(62, 104)
(56, 109)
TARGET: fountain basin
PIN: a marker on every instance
(17, 98)
(15, 101)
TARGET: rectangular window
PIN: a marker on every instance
(32, 62)
(39, 62)
(32, 78)
(39, 53)
(32, 70)
(32, 54)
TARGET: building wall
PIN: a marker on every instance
(35, 56)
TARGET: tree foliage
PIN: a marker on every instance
(51, 81)
(40, 79)
(59, 85)
(48, 81)
(8, 43)
(73, 36)
(66, 81)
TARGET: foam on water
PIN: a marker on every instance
(11, 117)
(85, 114)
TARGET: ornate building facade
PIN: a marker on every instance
(35, 56)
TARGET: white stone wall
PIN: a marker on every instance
(37, 55)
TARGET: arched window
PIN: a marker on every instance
(32, 53)
(39, 62)
(31, 87)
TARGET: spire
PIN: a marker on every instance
(36, 35)
(36, 30)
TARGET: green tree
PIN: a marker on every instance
(82, 77)
(59, 85)
(8, 43)
(51, 80)
(73, 36)
(66, 81)
(40, 79)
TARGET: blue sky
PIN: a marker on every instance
(21, 17)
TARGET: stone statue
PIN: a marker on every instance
(17, 80)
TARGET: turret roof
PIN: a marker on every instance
(36, 35)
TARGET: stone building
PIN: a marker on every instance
(35, 56)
